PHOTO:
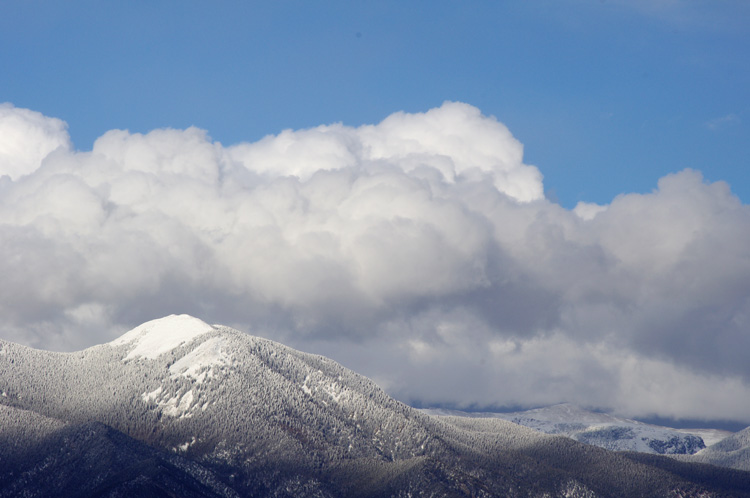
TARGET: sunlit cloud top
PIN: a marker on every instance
(419, 250)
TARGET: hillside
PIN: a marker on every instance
(201, 410)
(732, 452)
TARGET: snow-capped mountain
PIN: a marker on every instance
(732, 451)
(604, 430)
(177, 407)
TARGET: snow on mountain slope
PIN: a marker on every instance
(179, 383)
(159, 336)
(733, 452)
(709, 436)
(599, 429)
(267, 420)
(200, 362)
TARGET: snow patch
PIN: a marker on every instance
(335, 391)
(152, 396)
(321, 384)
(178, 409)
(178, 406)
(160, 336)
(184, 446)
(199, 363)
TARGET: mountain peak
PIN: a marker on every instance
(159, 336)
(221, 413)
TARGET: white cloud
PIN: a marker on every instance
(27, 138)
(588, 210)
(453, 140)
(424, 237)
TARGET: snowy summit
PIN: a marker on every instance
(157, 337)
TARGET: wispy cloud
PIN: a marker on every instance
(682, 14)
(723, 122)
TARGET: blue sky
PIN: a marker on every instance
(410, 239)
(606, 97)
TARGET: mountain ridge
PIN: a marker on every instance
(262, 419)
(602, 429)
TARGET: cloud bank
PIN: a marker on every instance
(420, 251)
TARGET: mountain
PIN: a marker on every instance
(733, 452)
(41, 456)
(603, 430)
(177, 407)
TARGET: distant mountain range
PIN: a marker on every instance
(603, 430)
(177, 407)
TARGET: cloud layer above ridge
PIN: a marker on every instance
(420, 248)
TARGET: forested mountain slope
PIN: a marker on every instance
(217, 413)
(40, 456)
(733, 452)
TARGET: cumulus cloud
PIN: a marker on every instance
(27, 138)
(588, 210)
(420, 251)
